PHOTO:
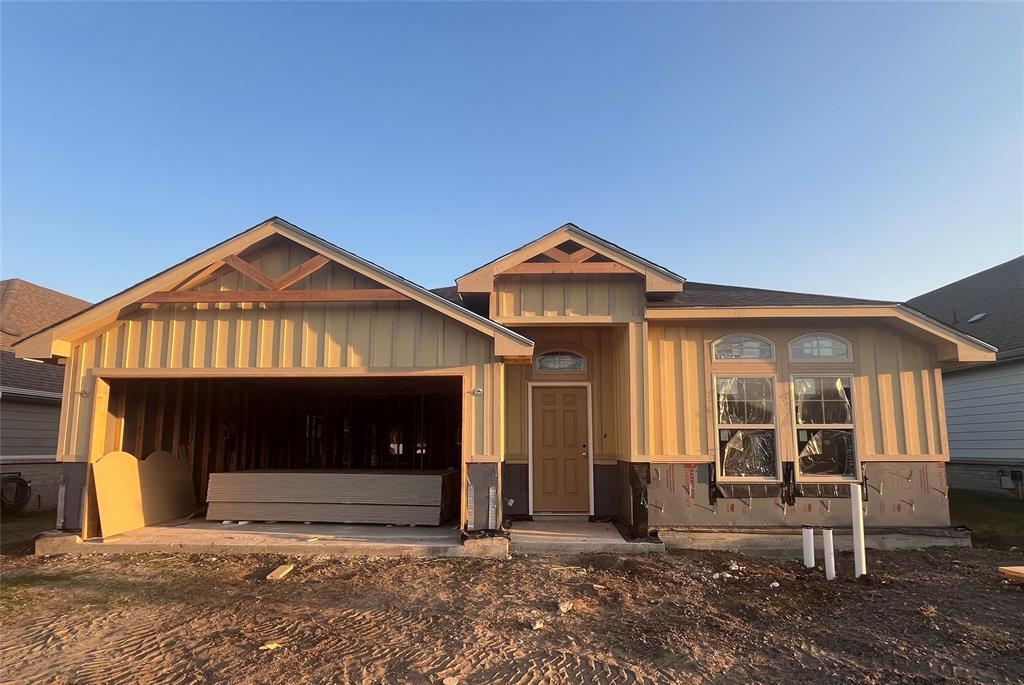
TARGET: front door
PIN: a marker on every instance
(561, 477)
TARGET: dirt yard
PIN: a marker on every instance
(937, 616)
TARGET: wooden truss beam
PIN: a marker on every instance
(569, 268)
(307, 268)
(582, 255)
(199, 277)
(249, 271)
(557, 254)
(238, 296)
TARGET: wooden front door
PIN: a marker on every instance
(561, 465)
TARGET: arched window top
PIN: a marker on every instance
(742, 347)
(560, 361)
(820, 347)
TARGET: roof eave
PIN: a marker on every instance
(952, 345)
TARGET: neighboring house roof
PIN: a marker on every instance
(712, 295)
(998, 293)
(24, 309)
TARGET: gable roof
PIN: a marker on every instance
(55, 340)
(657, 277)
(25, 308)
(998, 293)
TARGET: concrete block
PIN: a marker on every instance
(58, 543)
(485, 548)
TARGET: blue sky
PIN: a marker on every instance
(867, 149)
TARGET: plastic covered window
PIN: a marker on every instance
(560, 362)
(745, 420)
(819, 348)
(824, 418)
(733, 347)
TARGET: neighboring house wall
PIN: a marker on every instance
(985, 414)
(28, 445)
(30, 392)
(28, 428)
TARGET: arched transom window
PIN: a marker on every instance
(741, 346)
(819, 347)
(560, 362)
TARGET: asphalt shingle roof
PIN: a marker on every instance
(24, 309)
(713, 295)
(997, 292)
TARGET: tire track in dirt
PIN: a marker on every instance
(634, 622)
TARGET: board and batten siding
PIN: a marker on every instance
(388, 338)
(985, 413)
(579, 299)
(607, 370)
(897, 389)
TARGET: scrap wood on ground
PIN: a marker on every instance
(1014, 574)
(941, 615)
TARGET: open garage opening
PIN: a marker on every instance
(341, 450)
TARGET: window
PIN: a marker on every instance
(824, 426)
(823, 348)
(745, 421)
(733, 347)
(560, 362)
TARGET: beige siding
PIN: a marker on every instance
(571, 298)
(897, 388)
(607, 369)
(677, 393)
(358, 337)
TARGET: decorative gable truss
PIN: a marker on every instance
(273, 262)
(267, 287)
(570, 258)
(571, 250)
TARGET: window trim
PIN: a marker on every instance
(819, 360)
(715, 342)
(720, 474)
(560, 372)
(852, 427)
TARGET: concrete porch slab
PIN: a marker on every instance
(573, 536)
(194, 536)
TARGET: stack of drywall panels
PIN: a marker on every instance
(398, 497)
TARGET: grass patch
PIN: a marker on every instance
(996, 522)
(18, 530)
(14, 584)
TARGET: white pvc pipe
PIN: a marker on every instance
(860, 564)
(830, 555)
(808, 547)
